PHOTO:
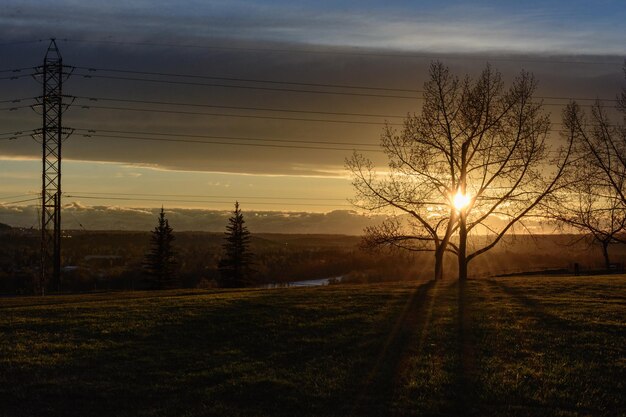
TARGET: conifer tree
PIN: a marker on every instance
(236, 264)
(160, 260)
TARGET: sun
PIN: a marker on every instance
(460, 200)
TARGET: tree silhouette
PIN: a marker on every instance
(160, 260)
(601, 140)
(595, 200)
(465, 171)
(597, 211)
(235, 266)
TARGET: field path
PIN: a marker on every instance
(403, 343)
(466, 352)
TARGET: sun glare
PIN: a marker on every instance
(460, 200)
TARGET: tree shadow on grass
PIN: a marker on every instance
(378, 388)
(561, 361)
(536, 308)
(261, 355)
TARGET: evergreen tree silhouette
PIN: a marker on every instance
(236, 264)
(160, 261)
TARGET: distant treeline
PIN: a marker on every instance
(94, 261)
(115, 260)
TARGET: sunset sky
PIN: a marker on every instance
(271, 109)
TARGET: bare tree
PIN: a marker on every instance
(474, 162)
(595, 200)
(595, 210)
(601, 140)
(621, 101)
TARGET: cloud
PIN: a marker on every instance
(367, 43)
(128, 175)
(78, 216)
(426, 26)
(75, 205)
(578, 80)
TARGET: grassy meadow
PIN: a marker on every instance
(517, 346)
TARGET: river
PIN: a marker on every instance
(305, 283)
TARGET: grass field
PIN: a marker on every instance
(532, 346)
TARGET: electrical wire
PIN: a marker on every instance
(15, 196)
(316, 142)
(203, 196)
(20, 201)
(17, 137)
(210, 142)
(17, 100)
(243, 116)
(264, 145)
(20, 42)
(303, 91)
(15, 77)
(245, 87)
(308, 84)
(252, 80)
(202, 201)
(14, 108)
(16, 132)
(171, 103)
(186, 104)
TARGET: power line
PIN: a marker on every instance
(231, 144)
(16, 132)
(210, 142)
(14, 108)
(256, 139)
(94, 133)
(244, 116)
(170, 103)
(353, 52)
(246, 87)
(20, 42)
(247, 116)
(304, 91)
(15, 196)
(16, 100)
(308, 84)
(575, 98)
(205, 196)
(16, 137)
(15, 77)
(204, 201)
(252, 80)
(21, 201)
(17, 69)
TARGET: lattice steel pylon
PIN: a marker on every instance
(52, 135)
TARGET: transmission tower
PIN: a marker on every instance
(51, 135)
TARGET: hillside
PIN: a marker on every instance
(508, 347)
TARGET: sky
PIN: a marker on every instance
(278, 145)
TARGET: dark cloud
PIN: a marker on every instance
(252, 28)
(559, 80)
(450, 25)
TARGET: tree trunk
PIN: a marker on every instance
(440, 250)
(605, 253)
(439, 263)
(462, 247)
